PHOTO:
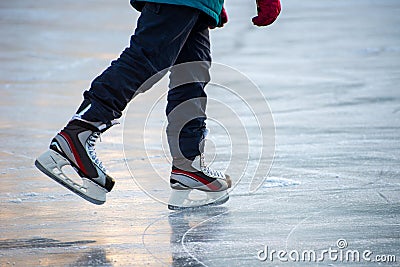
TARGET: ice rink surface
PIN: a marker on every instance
(330, 71)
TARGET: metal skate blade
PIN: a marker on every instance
(51, 164)
(181, 200)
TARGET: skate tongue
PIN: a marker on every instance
(104, 126)
(98, 124)
(196, 164)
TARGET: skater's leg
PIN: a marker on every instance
(187, 81)
(186, 125)
(160, 34)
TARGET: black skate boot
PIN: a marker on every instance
(75, 146)
(197, 176)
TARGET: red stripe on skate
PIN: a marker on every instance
(75, 153)
(213, 187)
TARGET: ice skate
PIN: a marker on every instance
(75, 146)
(183, 182)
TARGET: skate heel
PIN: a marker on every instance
(51, 164)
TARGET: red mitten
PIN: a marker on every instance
(223, 18)
(268, 11)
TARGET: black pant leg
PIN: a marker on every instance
(160, 35)
(186, 124)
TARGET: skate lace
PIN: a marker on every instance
(92, 150)
(208, 171)
(213, 173)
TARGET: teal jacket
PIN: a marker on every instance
(210, 7)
